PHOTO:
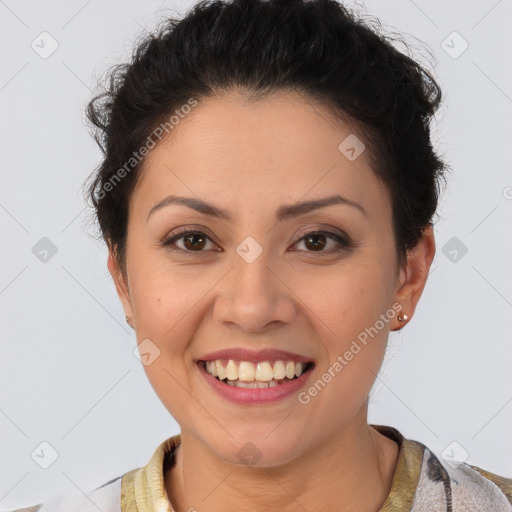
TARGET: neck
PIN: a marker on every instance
(352, 470)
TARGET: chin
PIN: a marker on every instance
(258, 450)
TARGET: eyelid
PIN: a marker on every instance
(188, 229)
(343, 240)
(325, 230)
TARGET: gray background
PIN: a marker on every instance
(68, 375)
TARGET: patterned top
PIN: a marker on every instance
(421, 483)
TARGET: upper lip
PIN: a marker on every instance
(255, 356)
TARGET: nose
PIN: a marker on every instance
(254, 297)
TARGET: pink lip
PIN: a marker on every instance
(254, 356)
(245, 396)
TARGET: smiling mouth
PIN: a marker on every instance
(265, 374)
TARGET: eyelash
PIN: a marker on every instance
(344, 243)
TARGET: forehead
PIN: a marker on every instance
(256, 153)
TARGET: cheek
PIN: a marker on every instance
(348, 305)
(166, 309)
(347, 300)
(168, 379)
(162, 295)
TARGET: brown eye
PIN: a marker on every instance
(316, 241)
(193, 241)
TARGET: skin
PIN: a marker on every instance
(250, 158)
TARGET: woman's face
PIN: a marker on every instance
(262, 277)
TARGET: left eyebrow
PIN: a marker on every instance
(283, 212)
(294, 210)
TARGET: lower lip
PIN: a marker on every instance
(254, 395)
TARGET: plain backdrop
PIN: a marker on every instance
(68, 375)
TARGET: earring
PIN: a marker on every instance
(403, 318)
(128, 321)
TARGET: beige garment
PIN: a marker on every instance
(421, 483)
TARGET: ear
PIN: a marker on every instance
(414, 276)
(120, 283)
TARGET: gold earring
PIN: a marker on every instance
(403, 318)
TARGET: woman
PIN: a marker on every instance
(267, 197)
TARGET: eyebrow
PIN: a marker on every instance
(283, 212)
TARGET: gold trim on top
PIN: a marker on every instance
(143, 489)
(407, 472)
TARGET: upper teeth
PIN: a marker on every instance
(248, 372)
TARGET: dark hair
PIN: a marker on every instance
(261, 47)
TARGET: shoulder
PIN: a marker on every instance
(423, 482)
(121, 493)
(458, 485)
(106, 498)
(503, 483)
